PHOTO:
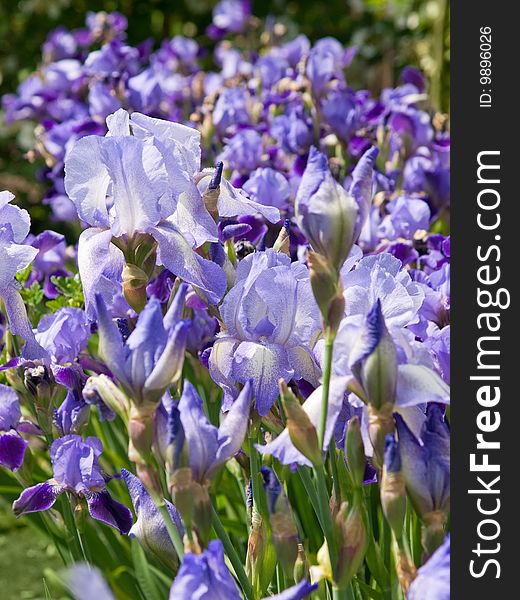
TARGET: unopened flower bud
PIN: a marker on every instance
(380, 424)
(325, 212)
(353, 542)
(283, 241)
(393, 491)
(211, 195)
(327, 290)
(135, 281)
(301, 566)
(285, 540)
(373, 360)
(355, 452)
(100, 389)
(406, 571)
(261, 555)
(141, 428)
(192, 500)
(301, 430)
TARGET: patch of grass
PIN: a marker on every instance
(24, 554)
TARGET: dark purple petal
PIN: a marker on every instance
(12, 450)
(104, 508)
(36, 498)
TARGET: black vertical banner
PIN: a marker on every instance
(485, 197)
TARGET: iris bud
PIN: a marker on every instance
(285, 540)
(325, 212)
(393, 492)
(301, 430)
(353, 542)
(261, 555)
(135, 281)
(373, 363)
(355, 452)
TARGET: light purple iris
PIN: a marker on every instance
(270, 320)
(229, 16)
(231, 109)
(205, 576)
(72, 414)
(406, 216)
(149, 529)
(50, 260)
(63, 334)
(208, 447)
(126, 186)
(152, 355)
(12, 444)
(15, 256)
(426, 462)
(76, 470)
(433, 578)
(329, 216)
(268, 187)
(243, 151)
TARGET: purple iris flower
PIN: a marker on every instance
(296, 592)
(205, 576)
(381, 277)
(229, 16)
(231, 109)
(270, 320)
(76, 470)
(125, 194)
(63, 334)
(15, 256)
(329, 216)
(433, 578)
(438, 342)
(72, 414)
(340, 111)
(243, 151)
(406, 216)
(50, 260)
(426, 462)
(268, 187)
(292, 132)
(85, 581)
(209, 447)
(153, 355)
(326, 62)
(149, 529)
(12, 444)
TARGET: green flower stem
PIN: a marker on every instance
(327, 372)
(68, 516)
(232, 554)
(173, 532)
